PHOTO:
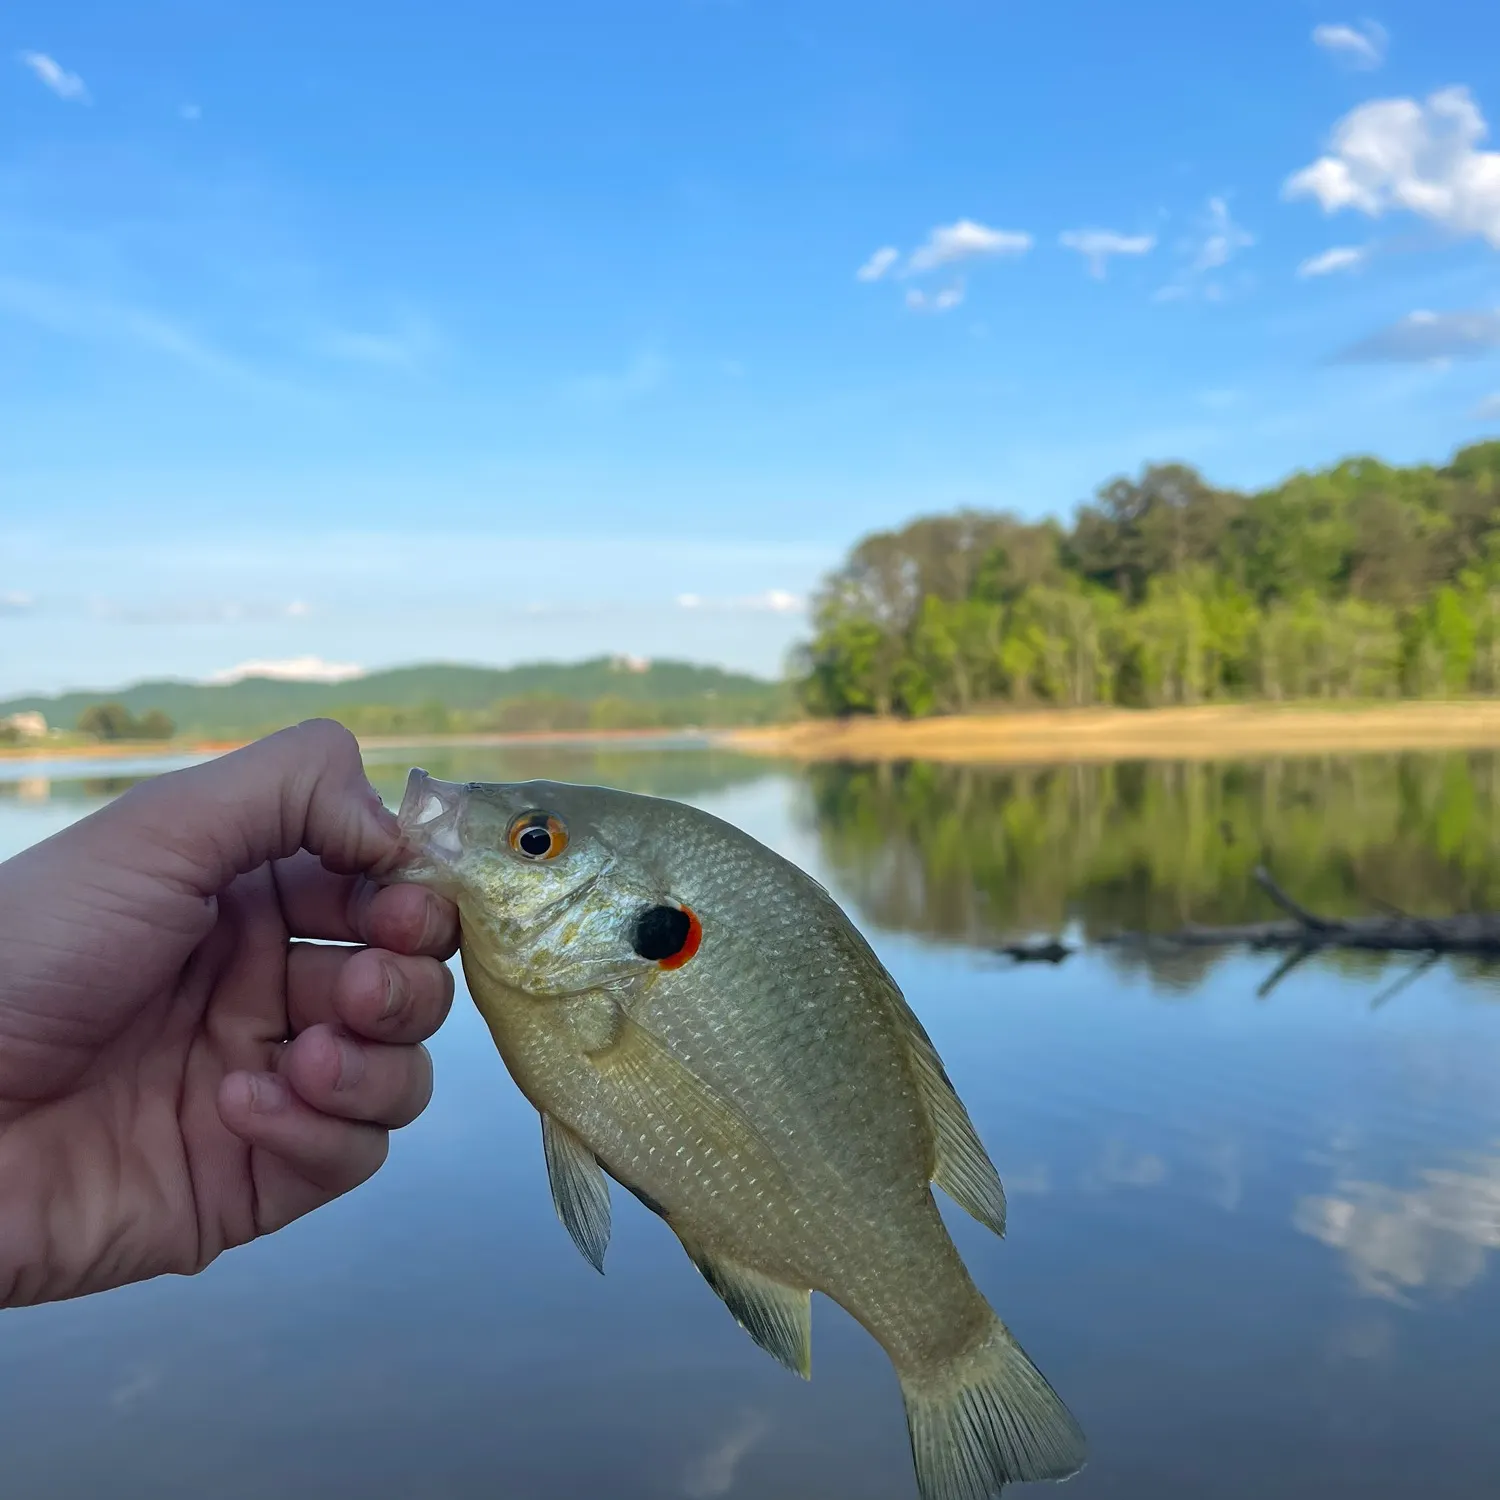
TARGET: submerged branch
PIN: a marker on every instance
(1306, 932)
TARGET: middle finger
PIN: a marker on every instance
(387, 997)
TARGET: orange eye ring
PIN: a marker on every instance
(537, 836)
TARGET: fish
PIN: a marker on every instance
(695, 1018)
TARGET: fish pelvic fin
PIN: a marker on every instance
(776, 1316)
(988, 1419)
(580, 1190)
(963, 1168)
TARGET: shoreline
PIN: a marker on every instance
(1212, 732)
(1209, 732)
(42, 750)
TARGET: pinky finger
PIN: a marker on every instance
(302, 1159)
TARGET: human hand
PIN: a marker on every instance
(178, 1073)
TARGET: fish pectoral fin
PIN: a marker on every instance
(776, 1316)
(963, 1169)
(580, 1190)
(679, 1107)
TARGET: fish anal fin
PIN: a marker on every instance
(987, 1420)
(778, 1317)
(580, 1190)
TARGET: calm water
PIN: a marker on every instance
(1250, 1239)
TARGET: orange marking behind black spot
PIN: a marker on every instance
(690, 944)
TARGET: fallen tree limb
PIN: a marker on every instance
(1048, 952)
(1306, 932)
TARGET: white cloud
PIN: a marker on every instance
(1220, 399)
(879, 263)
(948, 243)
(771, 601)
(644, 374)
(938, 302)
(291, 669)
(54, 76)
(1395, 154)
(1223, 238)
(714, 1472)
(779, 601)
(1216, 240)
(79, 315)
(1097, 245)
(1339, 258)
(1361, 46)
(1488, 410)
(15, 602)
(1425, 337)
(402, 349)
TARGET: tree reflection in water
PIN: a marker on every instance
(980, 856)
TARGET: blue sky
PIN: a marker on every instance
(486, 332)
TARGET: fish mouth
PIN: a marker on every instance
(429, 818)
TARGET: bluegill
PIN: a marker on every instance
(696, 1018)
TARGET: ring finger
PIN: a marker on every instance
(342, 1075)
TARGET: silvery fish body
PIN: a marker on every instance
(695, 1017)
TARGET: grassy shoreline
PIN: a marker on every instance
(1218, 732)
(71, 749)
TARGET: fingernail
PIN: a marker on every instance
(268, 1094)
(435, 924)
(395, 991)
(386, 818)
(351, 1064)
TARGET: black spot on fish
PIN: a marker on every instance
(661, 932)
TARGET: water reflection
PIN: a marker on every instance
(1435, 1235)
(981, 856)
(1252, 1244)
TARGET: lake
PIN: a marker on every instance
(1250, 1235)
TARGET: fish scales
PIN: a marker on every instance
(695, 1016)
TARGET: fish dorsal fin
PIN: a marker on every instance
(776, 1316)
(963, 1169)
(580, 1190)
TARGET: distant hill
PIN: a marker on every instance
(603, 692)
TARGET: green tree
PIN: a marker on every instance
(107, 721)
(1361, 580)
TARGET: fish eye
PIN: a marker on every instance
(667, 935)
(537, 836)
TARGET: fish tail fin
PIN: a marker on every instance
(987, 1419)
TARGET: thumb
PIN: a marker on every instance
(301, 788)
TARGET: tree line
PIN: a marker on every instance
(1358, 581)
(111, 722)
